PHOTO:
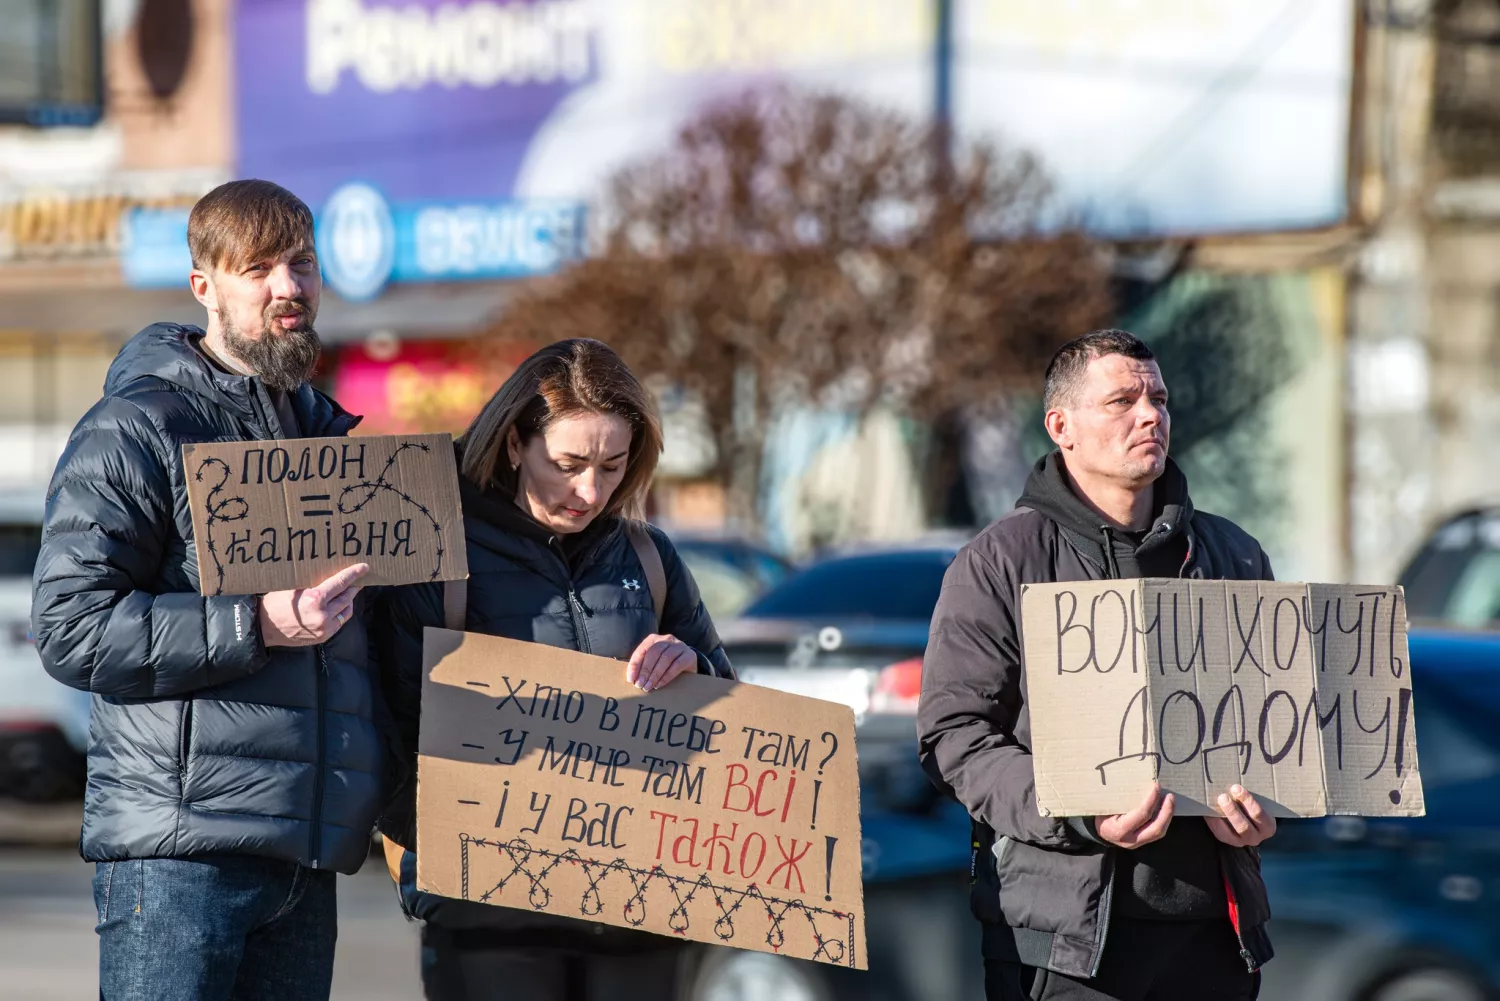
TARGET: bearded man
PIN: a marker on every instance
(236, 752)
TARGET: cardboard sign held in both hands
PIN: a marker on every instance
(707, 810)
(276, 515)
(1299, 692)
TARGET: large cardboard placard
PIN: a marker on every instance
(708, 810)
(1299, 692)
(275, 515)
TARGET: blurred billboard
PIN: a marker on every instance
(444, 139)
(1167, 116)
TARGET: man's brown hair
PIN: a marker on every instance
(566, 379)
(242, 221)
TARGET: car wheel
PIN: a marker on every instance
(1429, 985)
(737, 975)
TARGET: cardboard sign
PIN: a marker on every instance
(275, 515)
(1299, 692)
(708, 810)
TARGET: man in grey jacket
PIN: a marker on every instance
(1136, 907)
(237, 744)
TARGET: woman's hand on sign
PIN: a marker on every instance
(658, 660)
(1245, 823)
(1141, 826)
(310, 615)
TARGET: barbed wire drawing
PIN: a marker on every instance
(224, 509)
(690, 897)
(215, 509)
(381, 483)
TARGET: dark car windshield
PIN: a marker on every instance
(1456, 576)
(18, 549)
(892, 586)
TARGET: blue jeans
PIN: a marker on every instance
(214, 928)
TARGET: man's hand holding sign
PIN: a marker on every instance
(1244, 824)
(1140, 826)
(309, 616)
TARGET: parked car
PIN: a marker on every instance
(730, 573)
(1404, 909)
(850, 628)
(43, 725)
(1455, 577)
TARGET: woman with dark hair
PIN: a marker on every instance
(553, 480)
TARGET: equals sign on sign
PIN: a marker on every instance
(320, 508)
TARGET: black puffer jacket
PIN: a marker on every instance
(584, 592)
(1045, 886)
(201, 739)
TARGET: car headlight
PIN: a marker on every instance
(735, 975)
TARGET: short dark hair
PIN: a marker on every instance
(1066, 367)
(241, 221)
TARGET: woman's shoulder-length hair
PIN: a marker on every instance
(566, 379)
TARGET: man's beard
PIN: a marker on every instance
(283, 359)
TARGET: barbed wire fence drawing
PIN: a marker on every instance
(220, 509)
(692, 898)
(381, 483)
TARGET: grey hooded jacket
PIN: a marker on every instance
(201, 739)
(1045, 885)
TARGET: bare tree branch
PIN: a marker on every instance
(795, 248)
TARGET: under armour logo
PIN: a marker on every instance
(631, 585)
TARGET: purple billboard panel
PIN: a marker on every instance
(443, 140)
(428, 99)
(451, 100)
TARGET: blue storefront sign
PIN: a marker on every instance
(154, 248)
(365, 242)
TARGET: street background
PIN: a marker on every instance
(47, 930)
(839, 239)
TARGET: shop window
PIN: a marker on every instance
(1466, 92)
(50, 62)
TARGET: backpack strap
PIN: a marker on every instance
(393, 853)
(455, 604)
(650, 557)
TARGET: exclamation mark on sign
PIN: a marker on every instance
(817, 789)
(1403, 714)
(828, 868)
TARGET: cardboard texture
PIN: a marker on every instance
(708, 810)
(275, 515)
(1299, 692)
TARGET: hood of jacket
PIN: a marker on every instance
(1048, 493)
(168, 352)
